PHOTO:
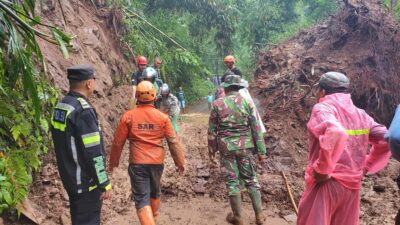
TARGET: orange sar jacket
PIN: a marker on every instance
(145, 127)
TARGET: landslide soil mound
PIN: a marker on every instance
(197, 198)
(362, 41)
(95, 42)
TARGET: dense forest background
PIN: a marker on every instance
(205, 31)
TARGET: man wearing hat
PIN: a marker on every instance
(229, 62)
(141, 63)
(338, 137)
(79, 148)
(235, 133)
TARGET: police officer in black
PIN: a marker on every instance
(79, 148)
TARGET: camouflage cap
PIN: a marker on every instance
(244, 82)
(232, 80)
(334, 80)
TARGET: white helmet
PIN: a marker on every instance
(164, 89)
(149, 74)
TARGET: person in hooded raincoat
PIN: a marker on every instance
(246, 94)
(338, 137)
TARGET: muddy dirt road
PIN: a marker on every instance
(197, 198)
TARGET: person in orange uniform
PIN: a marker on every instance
(229, 62)
(146, 127)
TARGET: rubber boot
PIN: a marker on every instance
(255, 196)
(146, 216)
(235, 217)
(155, 205)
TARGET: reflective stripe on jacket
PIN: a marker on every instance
(339, 134)
(78, 144)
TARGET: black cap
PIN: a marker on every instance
(80, 72)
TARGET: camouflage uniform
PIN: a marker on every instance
(235, 133)
(170, 106)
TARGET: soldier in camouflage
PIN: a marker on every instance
(235, 133)
(170, 106)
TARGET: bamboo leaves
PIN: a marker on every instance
(18, 32)
(23, 125)
(62, 40)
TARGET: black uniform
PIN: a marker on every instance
(80, 157)
(136, 78)
(233, 71)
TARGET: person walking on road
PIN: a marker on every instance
(181, 99)
(157, 66)
(146, 128)
(339, 134)
(210, 99)
(159, 78)
(235, 133)
(170, 106)
(80, 153)
(141, 62)
(229, 62)
(150, 74)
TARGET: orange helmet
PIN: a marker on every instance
(141, 60)
(145, 91)
(229, 58)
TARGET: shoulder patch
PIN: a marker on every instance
(60, 115)
(61, 112)
(84, 103)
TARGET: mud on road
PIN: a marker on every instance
(198, 197)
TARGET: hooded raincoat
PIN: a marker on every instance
(338, 137)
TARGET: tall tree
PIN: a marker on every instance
(209, 14)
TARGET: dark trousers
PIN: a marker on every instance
(145, 182)
(85, 208)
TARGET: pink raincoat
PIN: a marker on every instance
(339, 134)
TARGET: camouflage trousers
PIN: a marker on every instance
(238, 168)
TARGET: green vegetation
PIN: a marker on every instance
(24, 92)
(393, 6)
(193, 36)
